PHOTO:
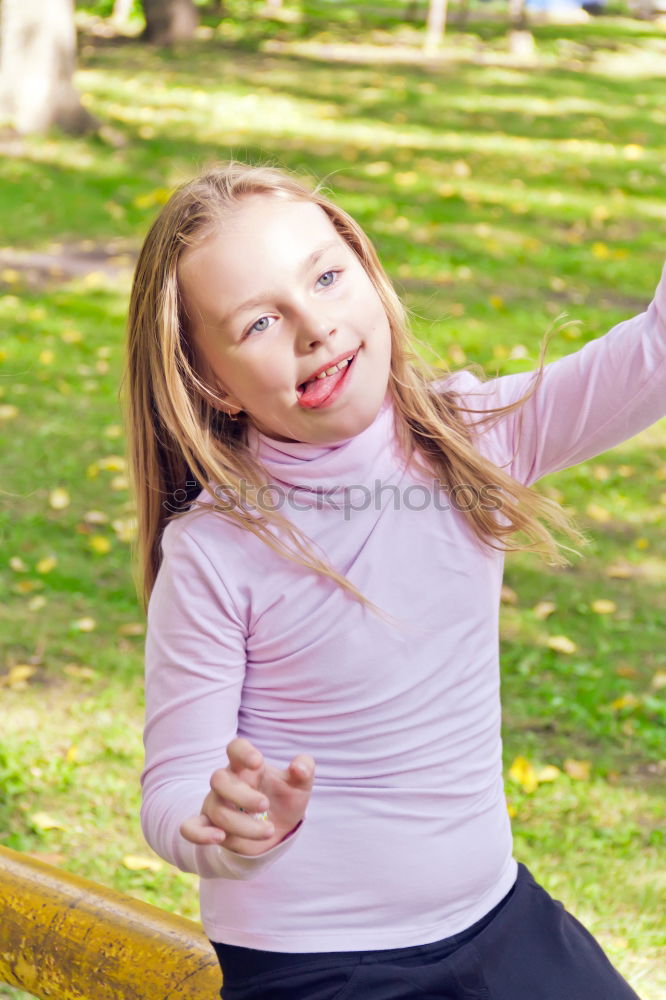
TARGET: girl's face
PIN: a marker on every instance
(274, 297)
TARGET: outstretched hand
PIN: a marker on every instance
(252, 785)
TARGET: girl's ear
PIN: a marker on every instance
(220, 399)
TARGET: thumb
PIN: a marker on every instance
(300, 772)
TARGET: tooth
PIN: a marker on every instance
(331, 371)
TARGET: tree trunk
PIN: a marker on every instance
(435, 25)
(463, 14)
(169, 21)
(517, 14)
(37, 60)
(121, 11)
(521, 39)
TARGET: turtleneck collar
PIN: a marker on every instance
(327, 466)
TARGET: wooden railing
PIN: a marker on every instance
(65, 938)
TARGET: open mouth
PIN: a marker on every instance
(319, 384)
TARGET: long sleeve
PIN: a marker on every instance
(195, 665)
(608, 391)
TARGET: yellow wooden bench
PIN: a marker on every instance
(65, 938)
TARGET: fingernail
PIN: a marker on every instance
(263, 805)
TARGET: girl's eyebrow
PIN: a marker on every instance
(256, 300)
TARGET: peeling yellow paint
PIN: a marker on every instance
(66, 937)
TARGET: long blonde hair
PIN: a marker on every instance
(177, 436)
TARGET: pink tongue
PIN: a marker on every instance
(320, 389)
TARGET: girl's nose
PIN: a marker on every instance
(313, 325)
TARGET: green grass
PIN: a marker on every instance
(500, 197)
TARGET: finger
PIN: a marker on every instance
(242, 753)
(240, 824)
(227, 785)
(200, 830)
(301, 771)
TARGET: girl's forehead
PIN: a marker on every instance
(260, 213)
(262, 229)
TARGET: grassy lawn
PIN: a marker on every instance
(502, 198)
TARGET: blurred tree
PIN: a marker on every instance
(169, 21)
(435, 24)
(122, 10)
(37, 61)
(521, 39)
(517, 14)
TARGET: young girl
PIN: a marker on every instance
(323, 524)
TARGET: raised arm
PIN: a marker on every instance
(195, 666)
(589, 401)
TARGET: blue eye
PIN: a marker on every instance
(262, 324)
(328, 278)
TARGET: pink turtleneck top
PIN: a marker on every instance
(406, 839)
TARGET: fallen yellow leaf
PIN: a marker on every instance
(601, 251)
(71, 336)
(132, 628)
(642, 543)
(138, 863)
(85, 624)
(125, 528)
(577, 769)
(548, 773)
(562, 644)
(508, 596)
(603, 607)
(598, 513)
(27, 586)
(158, 196)
(378, 169)
(8, 411)
(18, 675)
(523, 773)
(59, 498)
(43, 821)
(658, 680)
(627, 700)
(95, 517)
(76, 670)
(46, 564)
(17, 564)
(72, 753)
(99, 544)
(543, 609)
(620, 571)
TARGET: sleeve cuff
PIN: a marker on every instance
(223, 863)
